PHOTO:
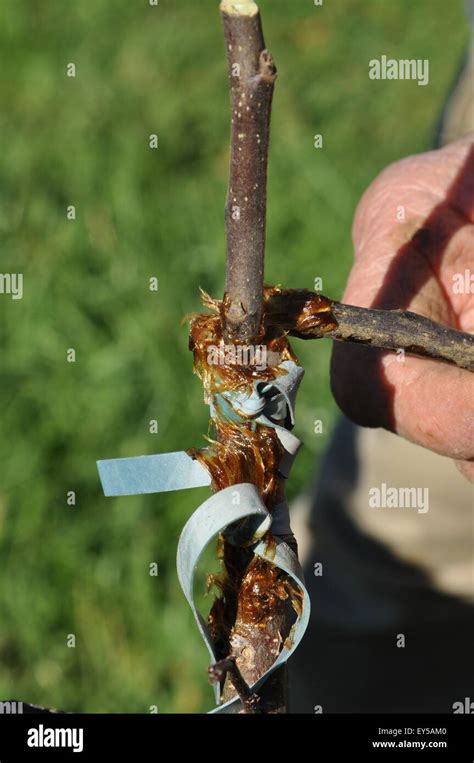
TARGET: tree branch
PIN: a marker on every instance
(256, 626)
(308, 315)
(252, 75)
(228, 667)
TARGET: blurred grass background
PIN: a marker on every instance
(84, 569)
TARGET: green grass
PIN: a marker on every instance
(83, 570)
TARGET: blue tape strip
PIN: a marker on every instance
(151, 474)
(269, 404)
(230, 505)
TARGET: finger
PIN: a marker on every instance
(422, 400)
(466, 468)
(409, 189)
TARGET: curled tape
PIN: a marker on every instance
(211, 518)
(269, 404)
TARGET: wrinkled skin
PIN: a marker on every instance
(410, 264)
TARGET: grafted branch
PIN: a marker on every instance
(252, 75)
(308, 315)
(252, 646)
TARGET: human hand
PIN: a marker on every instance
(413, 237)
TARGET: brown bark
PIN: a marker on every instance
(255, 630)
(308, 315)
(252, 75)
(257, 603)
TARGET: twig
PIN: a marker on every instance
(252, 75)
(254, 646)
(228, 666)
(403, 330)
(308, 315)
